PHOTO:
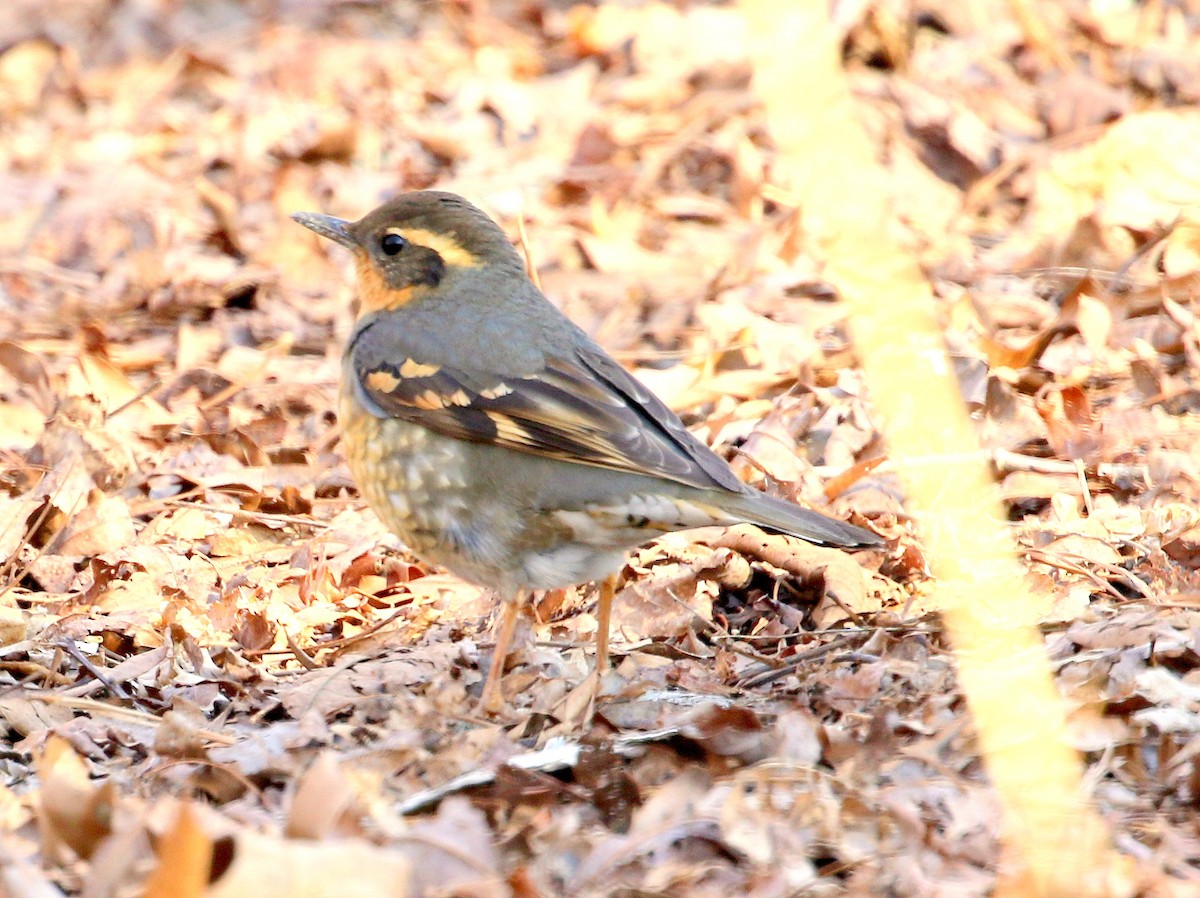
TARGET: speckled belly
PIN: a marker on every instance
(412, 479)
(474, 510)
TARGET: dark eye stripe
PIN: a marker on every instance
(392, 244)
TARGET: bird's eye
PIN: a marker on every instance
(392, 244)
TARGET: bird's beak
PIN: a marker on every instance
(327, 226)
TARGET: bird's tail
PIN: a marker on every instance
(784, 517)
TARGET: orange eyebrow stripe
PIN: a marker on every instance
(451, 251)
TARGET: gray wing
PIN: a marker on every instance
(579, 406)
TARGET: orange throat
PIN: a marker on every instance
(374, 293)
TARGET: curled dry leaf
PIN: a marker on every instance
(323, 805)
(843, 583)
(168, 384)
(272, 867)
(72, 811)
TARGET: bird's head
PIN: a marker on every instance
(411, 244)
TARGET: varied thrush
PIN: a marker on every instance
(496, 438)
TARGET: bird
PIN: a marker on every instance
(497, 439)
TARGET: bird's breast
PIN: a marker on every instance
(411, 477)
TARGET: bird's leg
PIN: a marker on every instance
(580, 704)
(491, 700)
(608, 589)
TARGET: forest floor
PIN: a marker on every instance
(215, 662)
